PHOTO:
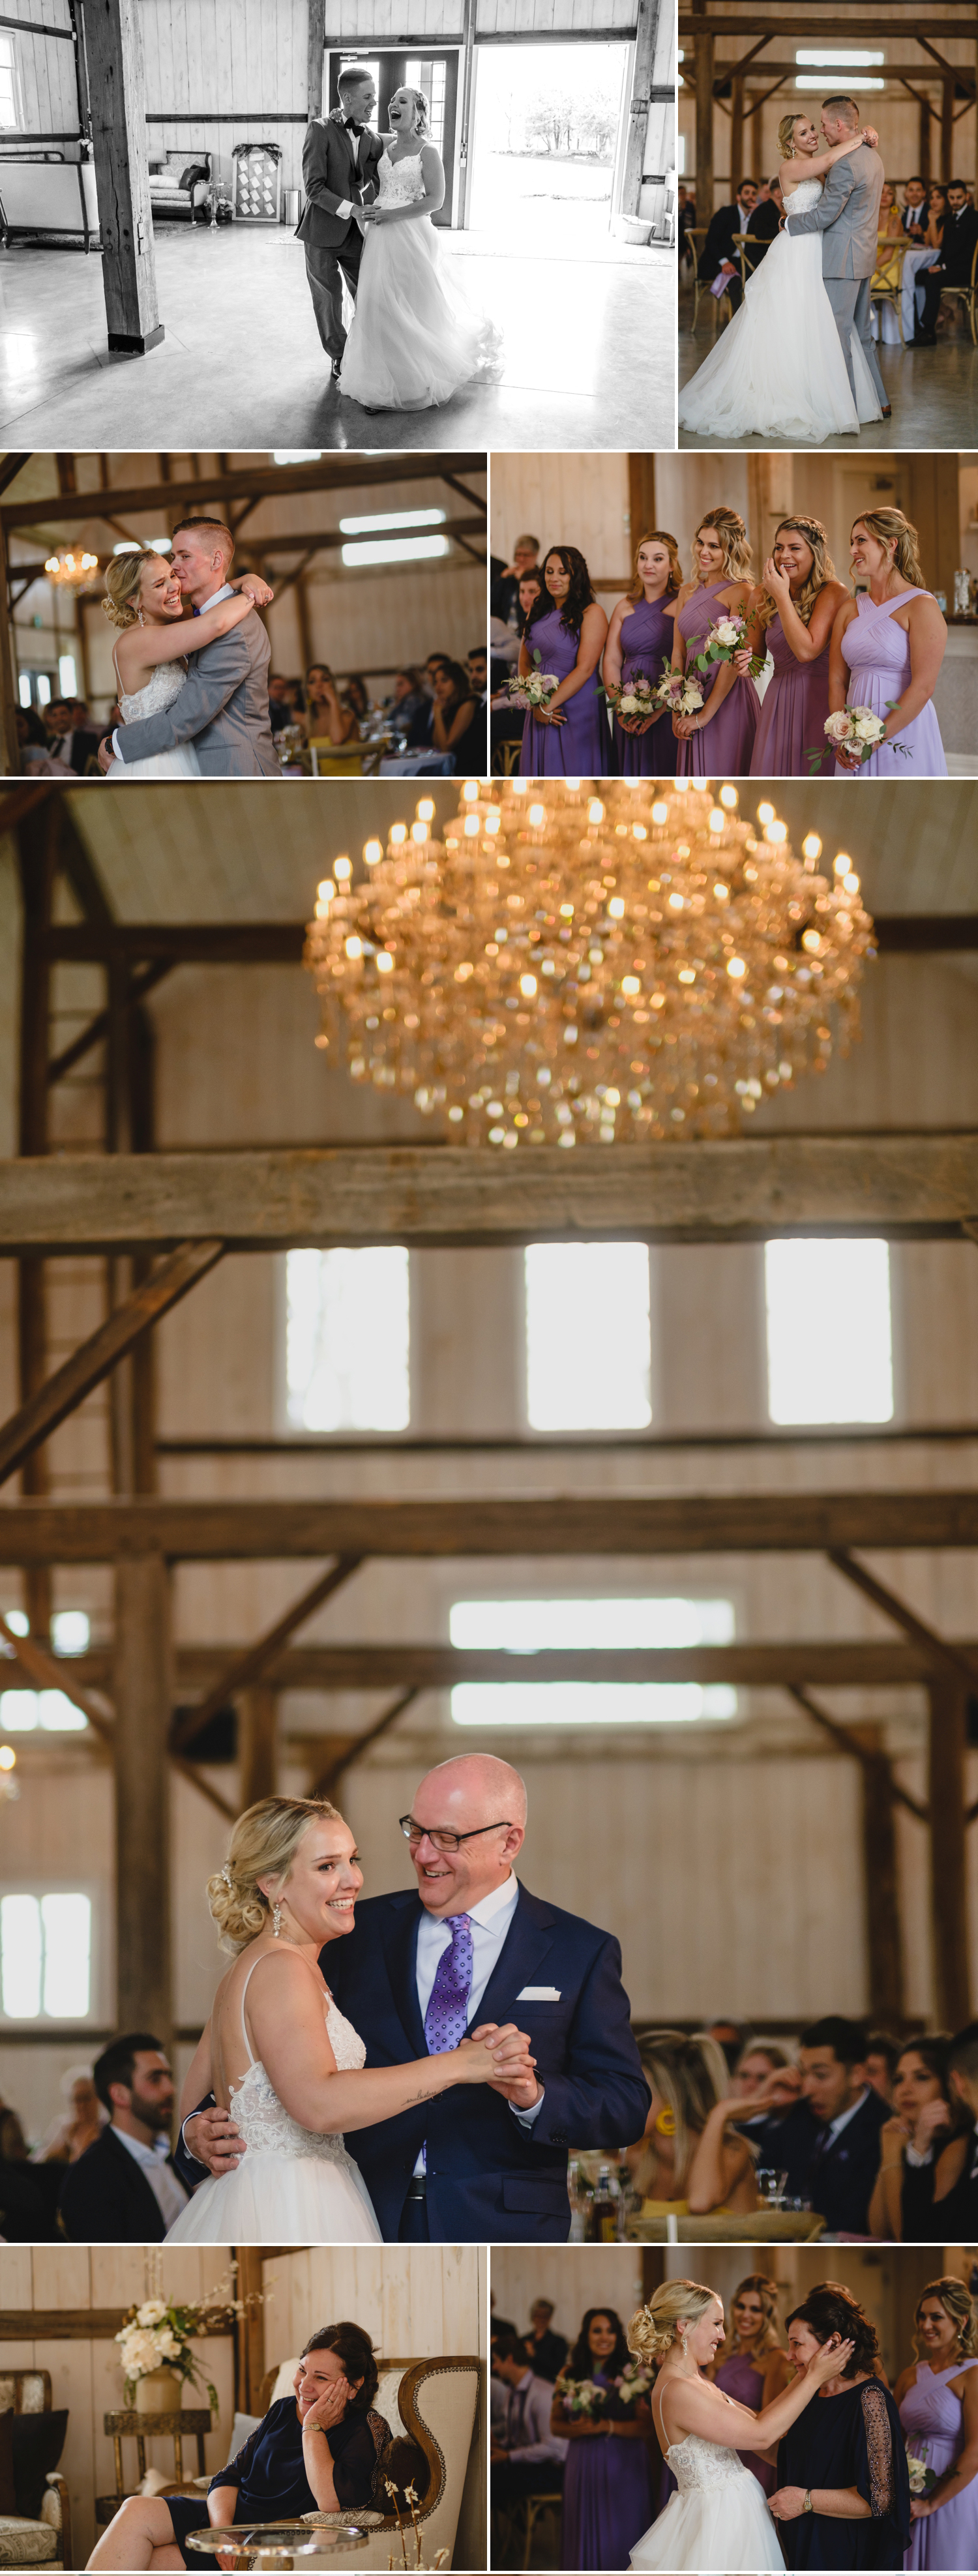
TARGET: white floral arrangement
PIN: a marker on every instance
(156, 2336)
(634, 698)
(857, 731)
(679, 694)
(922, 2478)
(727, 636)
(535, 689)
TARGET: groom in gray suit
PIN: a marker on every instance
(847, 216)
(222, 707)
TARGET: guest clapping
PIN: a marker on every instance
(606, 2487)
(688, 2082)
(796, 605)
(566, 633)
(886, 652)
(640, 638)
(938, 2403)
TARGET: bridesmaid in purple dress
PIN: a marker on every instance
(801, 580)
(887, 648)
(568, 630)
(719, 740)
(640, 640)
(938, 2402)
(751, 2365)
(607, 2496)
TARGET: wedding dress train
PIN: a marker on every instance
(778, 368)
(414, 338)
(294, 2186)
(162, 687)
(717, 2520)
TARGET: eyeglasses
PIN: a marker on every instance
(443, 1840)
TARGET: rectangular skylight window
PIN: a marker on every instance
(588, 1349)
(348, 1340)
(816, 80)
(832, 58)
(380, 519)
(829, 1337)
(23, 1710)
(530, 1627)
(376, 550)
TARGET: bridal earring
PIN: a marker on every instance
(276, 1919)
(140, 616)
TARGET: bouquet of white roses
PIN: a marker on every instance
(633, 2383)
(858, 732)
(581, 2397)
(727, 637)
(678, 694)
(156, 2336)
(634, 699)
(922, 2477)
(535, 689)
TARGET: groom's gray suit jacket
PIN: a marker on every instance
(222, 709)
(847, 214)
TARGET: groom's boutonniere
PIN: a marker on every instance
(727, 637)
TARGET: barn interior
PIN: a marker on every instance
(220, 1575)
(740, 73)
(556, 129)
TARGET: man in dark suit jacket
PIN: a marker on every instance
(829, 2144)
(765, 223)
(953, 267)
(913, 212)
(339, 166)
(718, 251)
(124, 2190)
(484, 2161)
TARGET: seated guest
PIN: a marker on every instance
(75, 738)
(329, 713)
(688, 2079)
(829, 2145)
(77, 2127)
(505, 584)
(607, 2498)
(914, 214)
(889, 221)
(843, 2492)
(954, 265)
(475, 664)
(765, 222)
(545, 2351)
(279, 706)
(763, 2075)
(881, 2063)
(459, 721)
(406, 699)
(125, 2190)
(356, 696)
(955, 2204)
(730, 2036)
(685, 223)
(35, 758)
(937, 2400)
(319, 2451)
(925, 2119)
(719, 257)
(524, 2453)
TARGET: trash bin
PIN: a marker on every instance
(291, 214)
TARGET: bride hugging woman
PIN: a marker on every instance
(414, 338)
(718, 2519)
(280, 2055)
(150, 659)
(778, 370)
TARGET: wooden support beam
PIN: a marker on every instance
(602, 1523)
(947, 128)
(93, 1360)
(249, 1667)
(40, 1670)
(316, 33)
(250, 483)
(943, 1657)
(948, 1858)
(848, 1740)
(38, 838)
(114, 47)
(703, 52)
(736, 129)
(646, 37)
(98, 1027)
(825, 1662)
(882, 1913)
(142, 1796)
(265, 1200)
(257, 1743)
(282, 943)
(326, 1786)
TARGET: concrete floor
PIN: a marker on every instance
(934, 393)
(588, 346)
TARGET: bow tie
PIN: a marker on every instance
(352, 126)
(195, 612)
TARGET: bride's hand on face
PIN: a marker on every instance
(830, 2361)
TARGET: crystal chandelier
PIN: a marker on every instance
(620, 959)
(71, 571)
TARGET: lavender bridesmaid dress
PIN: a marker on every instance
(931, 2418)
(878, 654)
(739, 2376)
(579, 748)
(607, 2499)
(723, 749)
(793, 712)
(646, 642)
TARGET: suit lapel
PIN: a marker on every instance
(528, 1944)
(401, 1953)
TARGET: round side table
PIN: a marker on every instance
(277, 2544)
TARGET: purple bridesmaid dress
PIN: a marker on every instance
(646, 642)
(579, 748)
(793, 712)
(740, 2376)
(607, 2499)
(877, 651)
(723, 749)
(931, 2418)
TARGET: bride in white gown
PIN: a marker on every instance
(414, 338)
(143, 598)
(278, 2055)
(778, 369)
(719, 2518)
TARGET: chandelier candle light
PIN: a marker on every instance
(621, 959)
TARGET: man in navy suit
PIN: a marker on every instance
(471, 1949)
(829, 2144)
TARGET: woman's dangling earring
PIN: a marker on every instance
(276, 1919)
(140, 616)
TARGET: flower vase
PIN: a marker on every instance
(158, 2393)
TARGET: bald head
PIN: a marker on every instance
(483, 1801)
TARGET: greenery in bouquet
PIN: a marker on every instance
(535, 689)
(923, 2479)
(727, 637)
(678, 693)
(616, 2401)
(633, 699)
(157, 2335)
(857, 731)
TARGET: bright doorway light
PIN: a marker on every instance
(829, 1336)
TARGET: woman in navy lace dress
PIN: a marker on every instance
(843, 2492)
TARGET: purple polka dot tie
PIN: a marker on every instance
(448, 2002)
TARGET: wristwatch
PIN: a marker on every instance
(808, 2506)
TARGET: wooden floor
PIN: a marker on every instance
(934, 394)
(588, 346)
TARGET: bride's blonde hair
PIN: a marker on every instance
(653, 2330)
(123, 582)
(263, 1845)
(823, 569)
(786, 133)
(422, 124)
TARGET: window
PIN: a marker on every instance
(829, 1343)
(588, 1351)
(45, 1956)
(21, 1710)
(10, 109)
(529, 1627)
(432, 78)
(347, 1340)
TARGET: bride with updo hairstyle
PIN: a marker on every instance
(279, 2068)
(718, 2518)
(143, 600)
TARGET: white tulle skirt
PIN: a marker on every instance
(778, 368)
(414, 338)
(281, 2200)
(726, 2528)
(179, 763)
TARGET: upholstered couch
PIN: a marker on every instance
(167, 172)
(434, 2402)
(46, 2541)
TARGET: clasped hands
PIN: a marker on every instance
(516, 2076)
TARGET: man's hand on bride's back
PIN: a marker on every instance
(212, 2139)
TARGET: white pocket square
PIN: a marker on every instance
(538, 1995)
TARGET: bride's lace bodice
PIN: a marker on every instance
(259, 2114)
(698, 2464)
(400, 180)
(164, 684)
(800, 200)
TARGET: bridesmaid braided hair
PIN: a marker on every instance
(891, 528)
(823, 569)
(732, 533)
(959, 2306)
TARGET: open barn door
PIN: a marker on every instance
(434, 70)
(548, 134)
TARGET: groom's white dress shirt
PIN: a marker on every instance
(225, 592)
(842, 2119)
(490, 1921)
(163, 2182)
(345, 206)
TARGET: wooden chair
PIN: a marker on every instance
(543, 2500)
(186, 2420)
(435, 2403)
(968, 292)
(886, 283)
(342, 759)
(701, 285)
(46, 2542)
